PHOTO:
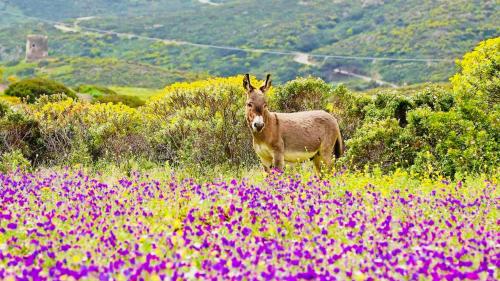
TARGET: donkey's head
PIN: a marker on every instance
(256, 106)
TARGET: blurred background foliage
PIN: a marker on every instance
(408, 29)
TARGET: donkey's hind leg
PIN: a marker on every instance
(317, 163)
(323, 160)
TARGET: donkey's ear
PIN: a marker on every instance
(246, 83)
(267, 84)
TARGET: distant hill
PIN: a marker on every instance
(363, 28)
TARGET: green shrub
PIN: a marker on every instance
(450, 144)
(10, 161)
(376, 143)
(74, 132)
(130, 101)
(349, 109)
(32, 88)
(95, 90)
(434, 97)
(387, 105)
(440, 132)
(19, 131)
(4, 109)
(433, 142)
(61, 129)
(301, 94)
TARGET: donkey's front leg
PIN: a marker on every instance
(266, 164)
(279, 160)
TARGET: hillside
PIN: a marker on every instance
(441, 30)
(103, 71)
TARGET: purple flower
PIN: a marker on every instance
(246, 231)
(12, 225)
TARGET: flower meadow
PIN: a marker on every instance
(70, 225)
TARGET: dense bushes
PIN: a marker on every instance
(430, 136)
(349, 110)
(117, 131)
(376, 143)
(32, 88)
(72, 132)
(75, 132)
(4, 109)
(451, 144)
(203, 122)
(440, 132)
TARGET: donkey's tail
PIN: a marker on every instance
(339, 147)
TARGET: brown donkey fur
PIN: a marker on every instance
(290, 137)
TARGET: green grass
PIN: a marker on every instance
(142, 93)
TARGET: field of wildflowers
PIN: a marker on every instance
(72, 225)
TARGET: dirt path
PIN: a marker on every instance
(365, 78)
(304, 59)
(209, 2)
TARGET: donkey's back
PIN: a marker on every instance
(308, 131)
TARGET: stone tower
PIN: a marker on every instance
(37, 47)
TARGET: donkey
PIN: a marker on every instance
(290, 137)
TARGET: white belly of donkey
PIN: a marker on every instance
(265, 152)
(298, 156)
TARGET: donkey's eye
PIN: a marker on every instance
(265, 105)
(249, 104)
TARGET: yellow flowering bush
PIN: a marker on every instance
(479, 76)
(72, 132)
(61, 128)
(203, 121)
(116, 130)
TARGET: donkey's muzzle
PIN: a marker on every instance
(258, 126)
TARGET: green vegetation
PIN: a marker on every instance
(435, 130)
(142, 93)
(431, 130)
(129, 101)
(94, 90)
(138, 183)
(444, 29)
(301, 94)
(99, 71)
(202, 123)
(479, 78)
(13, 160)
(33, 88)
